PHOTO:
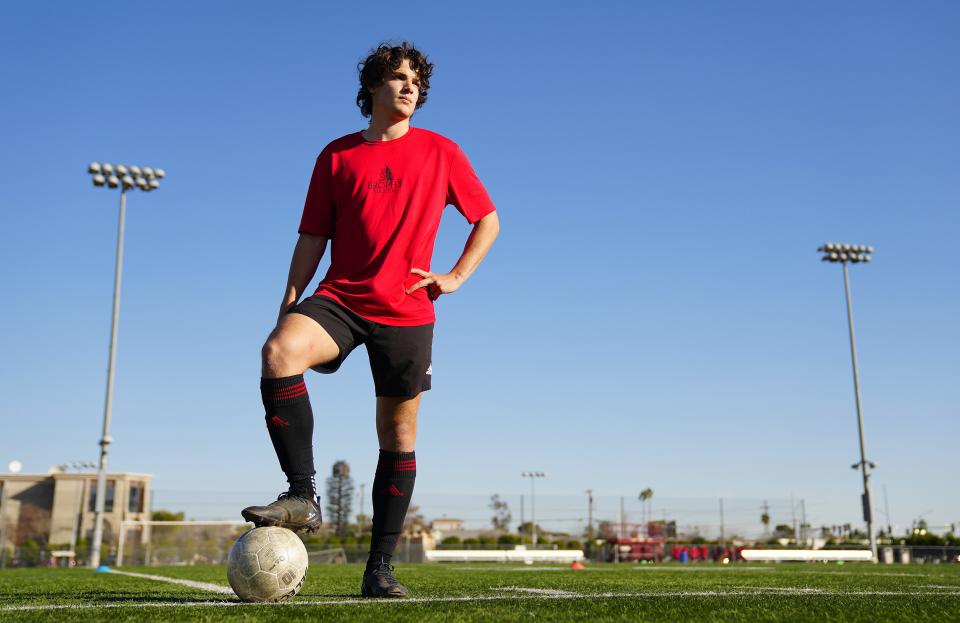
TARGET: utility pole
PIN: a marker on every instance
(621, 530)
(886, 511)
(590, 516)
(722, 536)
(803, 518)
(522, 521)
(793, 516)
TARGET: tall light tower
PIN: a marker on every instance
(533, 508)
(125, 178)
(844, 254)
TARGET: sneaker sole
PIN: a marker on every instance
(387, 596)
(365, 592)
(260, 521)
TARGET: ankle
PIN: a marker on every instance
(304, 487)
(375, 559)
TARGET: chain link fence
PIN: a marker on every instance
(709, 529)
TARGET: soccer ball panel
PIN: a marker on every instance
(239, 584)
(247, 565)
(271, 556)
(264, 587)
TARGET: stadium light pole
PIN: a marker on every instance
(844, 254)
(125, 178)
(533, 508)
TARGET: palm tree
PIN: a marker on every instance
(645, 496)
(765, 518)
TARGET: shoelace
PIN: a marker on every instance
(385, 569)
(291, 494)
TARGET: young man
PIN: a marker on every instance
(377, 195)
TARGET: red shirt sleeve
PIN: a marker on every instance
(464, 190)
(318, 209)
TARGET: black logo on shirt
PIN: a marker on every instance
(387, 183)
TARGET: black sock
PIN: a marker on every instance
(392, 488)
(290, 423)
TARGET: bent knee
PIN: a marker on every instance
(279, 357)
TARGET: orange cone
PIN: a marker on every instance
(577, 565)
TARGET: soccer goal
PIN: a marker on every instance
(335, 555)
(177, 542)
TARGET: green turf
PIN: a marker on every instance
(784, 592)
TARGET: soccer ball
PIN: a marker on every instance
(267, 564)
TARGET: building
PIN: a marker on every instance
(56, 511)
(446, 525)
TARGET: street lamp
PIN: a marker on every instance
(844, 254)
(533, 508)
(125, 177)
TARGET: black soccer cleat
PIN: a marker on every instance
(379, 582)
(290, 511)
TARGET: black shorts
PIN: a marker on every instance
(400, 357)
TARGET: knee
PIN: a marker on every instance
(278, 358)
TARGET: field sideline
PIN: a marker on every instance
(748, 592)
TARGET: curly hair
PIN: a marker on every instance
(386, 58)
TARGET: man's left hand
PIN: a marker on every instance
(438, 283)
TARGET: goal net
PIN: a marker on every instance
(177, 542)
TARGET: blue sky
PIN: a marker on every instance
(653, 314)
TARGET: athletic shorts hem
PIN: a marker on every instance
(400, 356)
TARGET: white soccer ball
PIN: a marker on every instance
(267, 564)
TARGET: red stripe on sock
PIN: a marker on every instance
(294, 391)
(298, 386)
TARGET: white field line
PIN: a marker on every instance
(892, 574)
(692, 568)
(203, 586)
(786, 590)
(589, 568)
(550, 592)
(478, 598)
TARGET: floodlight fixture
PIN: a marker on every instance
(125, 177)
(854, 253)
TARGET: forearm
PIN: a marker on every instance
(484, 232)
(303, 266)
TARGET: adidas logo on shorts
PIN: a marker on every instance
(430, 369)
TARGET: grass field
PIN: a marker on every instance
(748, 592)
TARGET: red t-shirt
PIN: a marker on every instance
(380, 203)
